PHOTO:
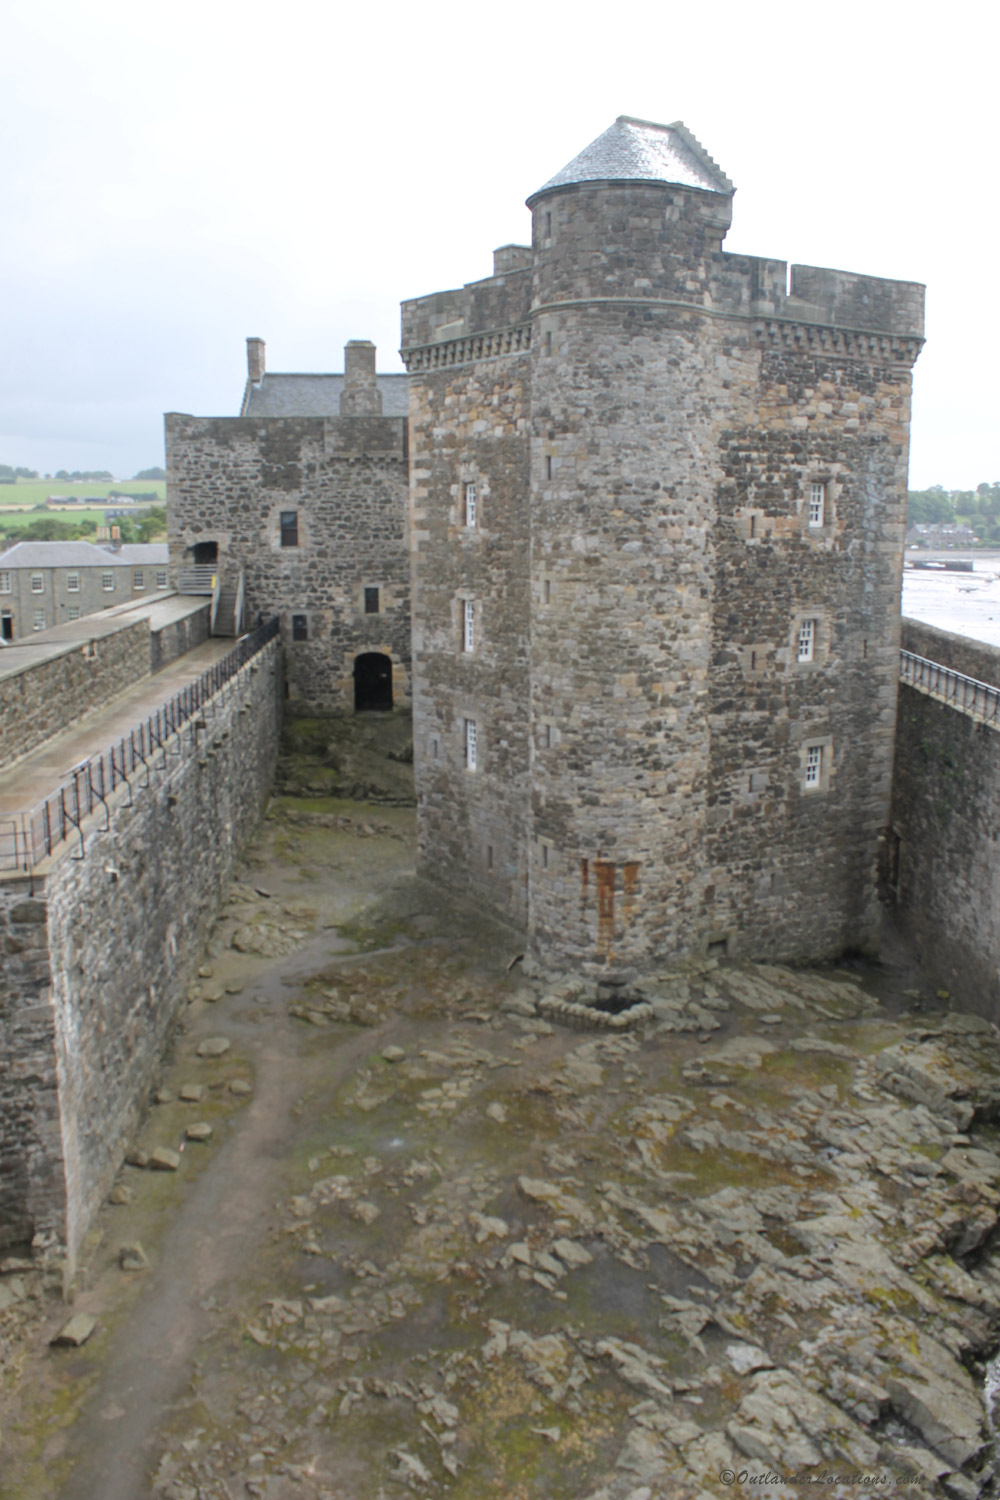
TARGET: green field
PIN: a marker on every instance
(31, 492)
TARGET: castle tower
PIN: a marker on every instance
(671, 626)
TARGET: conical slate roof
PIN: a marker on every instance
(639, 151)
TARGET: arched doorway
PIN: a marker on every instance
(204, 553)
(372, 682)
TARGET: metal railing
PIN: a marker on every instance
(968, 695)
(26, 838)
(197, 578)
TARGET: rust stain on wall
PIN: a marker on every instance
(604, 875)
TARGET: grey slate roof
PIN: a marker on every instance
(317, 396)
(56, 555)
(639, 151)
(150, 553)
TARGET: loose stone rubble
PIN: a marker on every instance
(505, 1258)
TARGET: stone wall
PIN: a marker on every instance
(944, 857)
(673, 408)
(47, 696)
(230, 479)
(99, 952)
(178, 638)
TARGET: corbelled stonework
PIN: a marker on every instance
(655, 671)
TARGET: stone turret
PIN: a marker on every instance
(255, 361)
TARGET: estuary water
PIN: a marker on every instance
(966, 603)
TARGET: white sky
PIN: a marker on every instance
(181, 175)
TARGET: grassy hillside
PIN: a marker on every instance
(29, 492)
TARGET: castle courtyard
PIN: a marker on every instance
(408, 1236)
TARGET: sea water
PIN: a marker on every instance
(966, 603)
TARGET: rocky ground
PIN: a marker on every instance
(395, 1224)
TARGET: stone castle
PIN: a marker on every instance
(656, 512)
(628, 538)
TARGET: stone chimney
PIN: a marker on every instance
(360, 397)
(255, 361)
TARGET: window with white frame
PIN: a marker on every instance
(73, 583)
(817, 503)
(108, 582)
(5, 583)
(807, 640)
(471, 745)
(39, 621)
(470, 504)
(137, 579)
(73, 612)
(37, 583)
(161, 578)
(814, 765)
(468, 625)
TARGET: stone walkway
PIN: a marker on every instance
(421, 1240)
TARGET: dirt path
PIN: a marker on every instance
(438, 1245)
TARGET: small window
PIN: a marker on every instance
(548, 465)
(39, 621)
(37, 584)
(73, 612)
(807, 640)
(73, 583)
(161, 578)
(468, 625)
(108, 582)
(470, 505)
(5, 583)
(300, 628)
(137, 579)
(289, 528)
(471, 745)
(814, 765)
(817, 504)
(372, 603)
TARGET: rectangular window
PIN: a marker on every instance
(73, 613)
(471, 746)
(137, 581)
(807, 639)
(39, 621)
(468, 625)
(5, 583)
(371, 601)
(108, 582)
(289, 528)
(817, 504)
(161, 578)
(73, 583)
(300, 628)
(814, 765)
(37, 583)
(470, 505)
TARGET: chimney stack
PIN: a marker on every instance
(361, 396)
(255, 361)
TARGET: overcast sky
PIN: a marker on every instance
(180, 176)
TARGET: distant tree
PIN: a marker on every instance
(86, 527)
(49, 530)
(153, 524)
(151, 474)
(126, 529)
(927, 507)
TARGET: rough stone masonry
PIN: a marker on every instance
(657, 510)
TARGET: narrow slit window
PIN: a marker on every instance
(548, 342)
(547, 591)
(468, 625)
(470, 505)
(814, 765)
(807, 640)
(471, 745)
(372, 602)
(817, 504)
(548, 465)
(289, 528)
(300, 628)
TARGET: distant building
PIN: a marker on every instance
(941, 534)
(49, 583)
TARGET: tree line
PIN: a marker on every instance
(978, 508)
(147, 528)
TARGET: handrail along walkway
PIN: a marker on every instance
(26, 838)
(978, 699)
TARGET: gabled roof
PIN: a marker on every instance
(57, 555)
(150, 553)
(317, 396)
(639, 151)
